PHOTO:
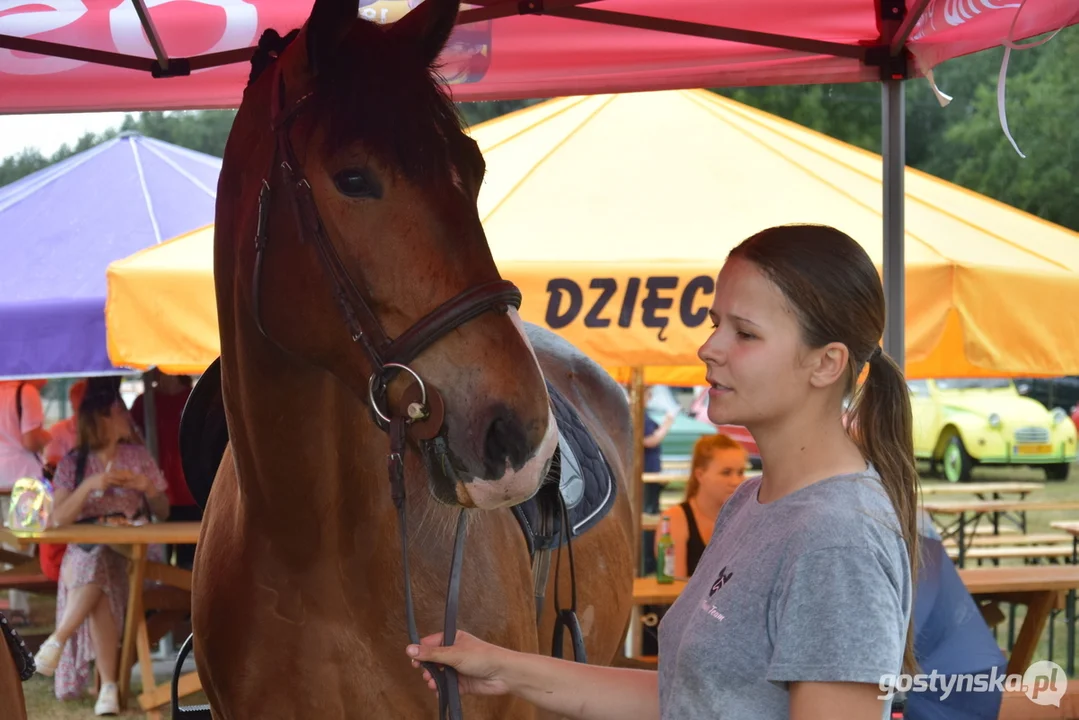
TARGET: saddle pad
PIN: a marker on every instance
(204, 433)
(579, 474)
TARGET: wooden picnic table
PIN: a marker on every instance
(132, 542)
(1037, 586)
(1072, 528)
(983, 488)
(663, 478)
(962, 508)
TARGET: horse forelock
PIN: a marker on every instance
(378, 92)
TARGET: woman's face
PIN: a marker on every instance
(725, 471)
(118, 423)
(754, 356)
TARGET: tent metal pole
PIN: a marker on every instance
(893, 151)
(714, 32)
(151, 33)
(636, 500)
(149, 412)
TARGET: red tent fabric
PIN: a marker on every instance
(574, 47)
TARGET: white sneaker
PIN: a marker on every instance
(108, 700)
(48, 657)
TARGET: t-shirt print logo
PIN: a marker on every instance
(724, 576)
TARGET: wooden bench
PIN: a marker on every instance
(1015, 705)
(1012, 552)
(1015, 538)
(24, 574)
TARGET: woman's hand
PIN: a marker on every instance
(101, 481)
(135, 481)
(481, 667)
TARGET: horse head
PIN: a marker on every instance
(371, 254)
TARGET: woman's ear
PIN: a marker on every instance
(831, 362)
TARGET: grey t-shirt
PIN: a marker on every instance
(814, 586)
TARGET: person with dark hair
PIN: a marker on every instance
(106, 476)
(802, 600)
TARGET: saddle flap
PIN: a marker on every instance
(204, 433)
(579, 473)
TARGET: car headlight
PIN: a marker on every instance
(1059, 416)
(994, 420)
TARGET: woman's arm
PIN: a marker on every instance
(817, 700)
(155, 497)
(655, 438)
(584, 692)
(563, 687)
(68, 503)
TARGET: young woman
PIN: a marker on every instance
(102, 476)
(717, 469)
(802, 599)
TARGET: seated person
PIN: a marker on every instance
(65, 432)
(103, 476)
(718, 468)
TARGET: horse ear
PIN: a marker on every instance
(428, 27)
(327, 26)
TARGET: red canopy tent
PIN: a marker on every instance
(95, 54)
(85, 55)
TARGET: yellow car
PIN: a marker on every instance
(960, 423)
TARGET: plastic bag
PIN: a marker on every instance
(31, 505)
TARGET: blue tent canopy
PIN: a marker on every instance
(62, 226)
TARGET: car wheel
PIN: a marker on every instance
(956, 461)
(1057, 472)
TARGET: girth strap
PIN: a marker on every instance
(449, 698)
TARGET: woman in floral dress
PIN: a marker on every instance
(107, 474)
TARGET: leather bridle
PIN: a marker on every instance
(385, 356)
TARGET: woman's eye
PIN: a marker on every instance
(355, 183)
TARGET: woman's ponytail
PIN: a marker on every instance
(883, 428)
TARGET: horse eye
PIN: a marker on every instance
(355, 183)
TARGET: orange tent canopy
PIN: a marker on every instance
(614, 213)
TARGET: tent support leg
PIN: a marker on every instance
(893, 151)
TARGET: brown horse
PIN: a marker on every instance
(12, 654)
(370, 223)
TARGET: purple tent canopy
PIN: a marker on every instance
(62, 226)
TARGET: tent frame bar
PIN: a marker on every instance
(151, 33)
(164, 66)
(714, 32)
(902, 34)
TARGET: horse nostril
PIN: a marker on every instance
(505, 443)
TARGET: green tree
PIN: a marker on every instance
(1042, 111)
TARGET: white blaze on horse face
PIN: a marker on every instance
(516, 486)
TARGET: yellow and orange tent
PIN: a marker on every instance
(614, 213)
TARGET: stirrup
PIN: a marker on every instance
(191, 712)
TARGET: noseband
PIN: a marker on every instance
(424, 415)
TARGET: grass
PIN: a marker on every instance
(41, 703)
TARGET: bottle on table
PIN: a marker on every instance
(665, 553)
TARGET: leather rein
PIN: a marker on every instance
(424, 415)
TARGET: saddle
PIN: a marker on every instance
(577, 492)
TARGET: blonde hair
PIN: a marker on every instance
(703, 451)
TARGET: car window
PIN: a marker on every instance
(918, 387)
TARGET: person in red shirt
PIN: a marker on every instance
(170, 396)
